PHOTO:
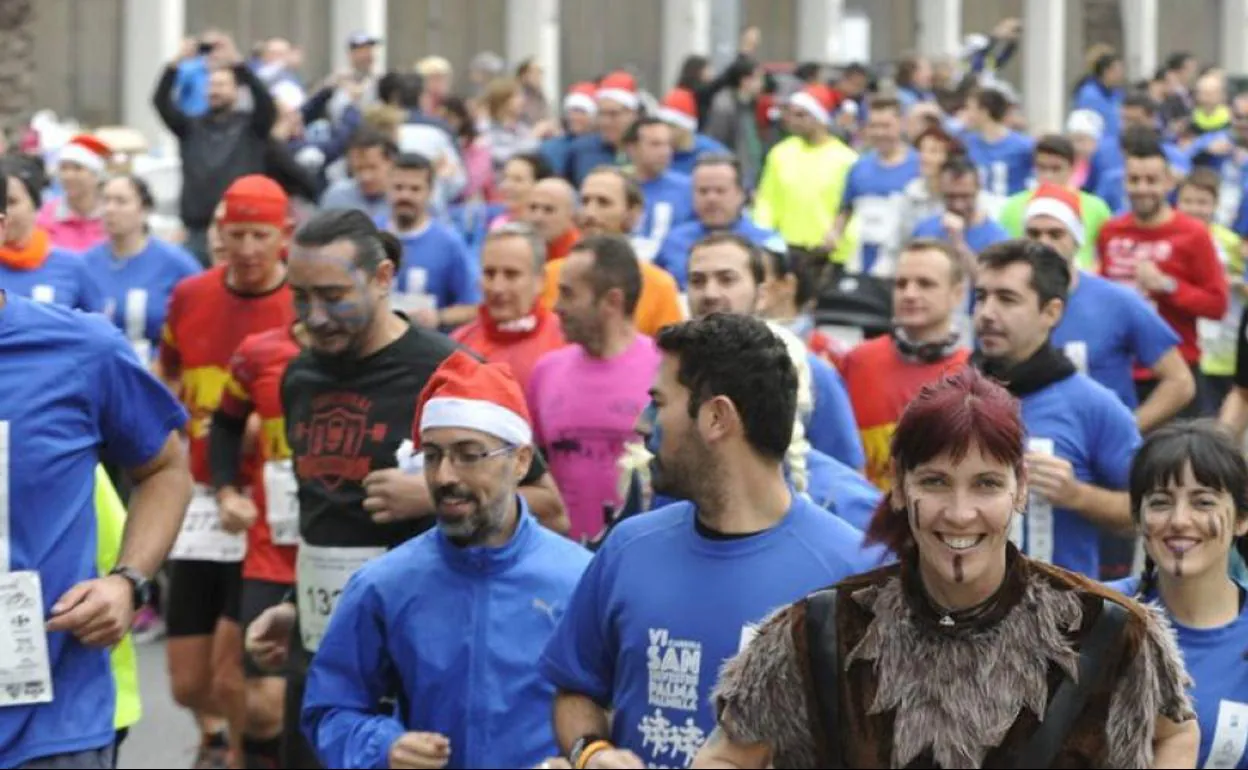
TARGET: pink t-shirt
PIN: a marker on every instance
(584, 410)
(67, 229)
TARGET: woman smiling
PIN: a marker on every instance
(966, 653)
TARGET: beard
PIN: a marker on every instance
(483, 520)
(688, 473)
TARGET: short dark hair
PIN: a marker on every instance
(29, 172)
(414, 161)
(880, 102)
(740, 358)
(802, 264)
(956, 273)
(719, 159)
(633, 196)
(754, 254)
(1104, 62)
(958, 166)
(536, 162)
(141, 191)
(1050, 273)
(1140, 100)
(1176, 60)
(1055, 144)
(615, 267)
(856, 68)
(633, 133)
(366, 138)
(993, 101)
(1142, 142)
(1205, 179)
(330, 225)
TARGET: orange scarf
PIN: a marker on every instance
(30, 255)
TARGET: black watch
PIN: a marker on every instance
(141, 586)
(578, 748)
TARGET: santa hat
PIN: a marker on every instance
(1052, 200)
(816, 99)
(256, 199)
(621, 88)
(88, 152)
(680, 109)
(581, 97)
(466, 393)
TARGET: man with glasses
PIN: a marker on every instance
(450, 623)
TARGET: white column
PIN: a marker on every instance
(152, 36)
(533, 30)
(1139, 22)
(940, 27)
(686, 31)
(350, 16)
(1233, 23)
(1044, 54)
(819, 30)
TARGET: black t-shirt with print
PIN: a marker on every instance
(346, 419)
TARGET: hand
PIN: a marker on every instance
(554, 763)
(1221, 146)
(226, 51)
(445, 166)
(391, 495)
(420, 750)
(831, 239)
(615, 759)
(954, 225)
(545, 129)
(425, 317)
(98, 612)
(268, 636)
(237, 511)
(1008, 29)
(1053, 478)
(748, 43)
(188, 50)
(1149, 277)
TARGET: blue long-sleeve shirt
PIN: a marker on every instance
(454, 635)
(1106, 102)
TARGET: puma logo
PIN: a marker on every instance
(546, 609)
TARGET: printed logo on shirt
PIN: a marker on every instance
(675, 670)
(334, 438)
(1230, 735)
(1123, 256)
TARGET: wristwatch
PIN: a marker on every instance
(141, 586)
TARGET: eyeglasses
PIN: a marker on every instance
(461, 456)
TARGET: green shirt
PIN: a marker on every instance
(1095, 213)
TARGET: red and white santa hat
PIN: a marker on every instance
(621, 88)
(816, 99)
(680, 109)
(466, 393)
(581, 97)
(88, 152)
(1053, 200)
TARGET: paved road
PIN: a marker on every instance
(166, 738)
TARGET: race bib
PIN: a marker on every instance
(1077, 352)
(1039, 518)
(25, 674)
(202, 538)
(143, 350)
(411, 303)
(879, 219)
(321, 574)
(1230, 736)
(281, 500)
(43, 293)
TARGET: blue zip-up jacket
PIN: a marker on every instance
(454, 635)
(673, 254)
(683, 161)
(1106, 102)
(586, 153)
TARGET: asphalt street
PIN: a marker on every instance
(166, 737)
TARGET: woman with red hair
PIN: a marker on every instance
(966, 653)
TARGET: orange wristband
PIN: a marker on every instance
(583, 760)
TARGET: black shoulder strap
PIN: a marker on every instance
(1068, 701)
(822, 643)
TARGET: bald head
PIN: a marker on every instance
(551, 206)
(1210, 90)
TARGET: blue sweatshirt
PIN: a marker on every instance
(586, 153)
(663, 606)
(458, 633)
(683, 161)
(1106, 102)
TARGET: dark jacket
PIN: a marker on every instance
(216, 149)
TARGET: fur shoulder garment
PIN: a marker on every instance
(914, 694)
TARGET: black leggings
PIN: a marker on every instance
(297, 753)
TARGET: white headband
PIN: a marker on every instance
(678, 118)
(581, 102)
(809, 103)
(76, 153)
(474, 414)
(619, 96)
(1062, 212)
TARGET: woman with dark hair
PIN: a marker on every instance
(1189, 496)
(967, 653)
(30, 264)
(515, 181)
(135, 270)
(473, 148)
(921, 197)
(1101, 89)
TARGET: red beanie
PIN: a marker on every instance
(256, 199)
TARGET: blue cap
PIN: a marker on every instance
(362, 39)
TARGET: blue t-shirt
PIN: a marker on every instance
(1217, 661)
(873, 191)
(644, 634)
(63, 279)
(683, 161)
(1086, 424)
(840, 489)
(72, 386)
(436, 262)
(831, 427)
(586, 153)
(673, 254)
(978, 237)
(1005, 166)
(137, 289)
(668, 203)
(1108, 352)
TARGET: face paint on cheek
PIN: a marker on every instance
(1210, 525)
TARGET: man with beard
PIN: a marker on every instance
(726, 274)
(348, 402)
(1081, 437)
(675, 592)
(585, 397)
(491, 581)
(1165, 255)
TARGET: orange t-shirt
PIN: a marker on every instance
(881, 384)
(658, 305)
(205, 324)
(518, 344)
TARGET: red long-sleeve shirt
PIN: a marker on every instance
(1183, 249)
